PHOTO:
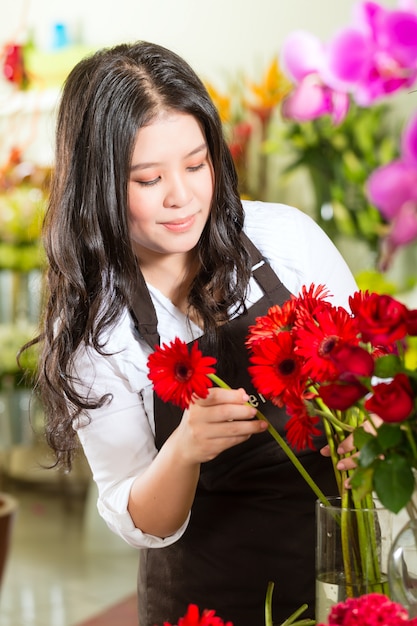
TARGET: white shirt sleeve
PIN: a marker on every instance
(298, 250)
(118, 438)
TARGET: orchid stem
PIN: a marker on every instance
(281, 442)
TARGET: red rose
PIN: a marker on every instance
(340, 396)
(352, 362)
(412, 322)
(393, 401)
(382, 320)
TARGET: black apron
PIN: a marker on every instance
(253, 517)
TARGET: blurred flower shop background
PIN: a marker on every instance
(328, 124)
(314, 124)
(319, 110)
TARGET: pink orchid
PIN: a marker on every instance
(377, 54)
(311, 99)
(305, 61)
(393, 190)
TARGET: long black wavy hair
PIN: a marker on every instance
(92, 270)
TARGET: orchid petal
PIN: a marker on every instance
(389, 187)
(367, 16)
(409, 142)
(404, 227)
(341, 103)
(309, 100)
(349, 54)
(302, 54)
(399, 37)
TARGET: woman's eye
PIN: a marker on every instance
(195, 168)
(148, 183)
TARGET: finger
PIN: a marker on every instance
(218, 395)
(346, 446)
(348, 462)
(325, 450)
(238, 429)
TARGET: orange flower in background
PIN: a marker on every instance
(223, 103)
(270, 91)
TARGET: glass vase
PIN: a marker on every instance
(352, 547)
(402, 568)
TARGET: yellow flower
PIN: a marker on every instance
(273, 87)
(222, 103)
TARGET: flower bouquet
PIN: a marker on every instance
(335, 371)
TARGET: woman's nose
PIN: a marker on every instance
(178, 192)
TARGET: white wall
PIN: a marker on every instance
(213, 35)
(218, 38)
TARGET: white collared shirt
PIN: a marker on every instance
(118, 441)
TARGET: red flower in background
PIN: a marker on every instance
(193, 618)
(178, 374)
(373, 609)
(14, 69)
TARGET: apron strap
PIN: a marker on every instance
(265, 276)
(144, 314)
(143, 310)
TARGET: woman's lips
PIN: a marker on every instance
(180, 225)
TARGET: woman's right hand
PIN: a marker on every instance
(221, 420)
(161, 497)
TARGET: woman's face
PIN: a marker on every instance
(170, 187)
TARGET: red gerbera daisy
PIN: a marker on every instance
(193, 618)
(301, 427)
(278, 319)
(310, 299)
(178, 374)
(276, 368)
(322, 334)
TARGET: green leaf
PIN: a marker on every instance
(361, 438)
(394, 482)
(370, 452)
(389, 436)
(387, 366)
(362, 481)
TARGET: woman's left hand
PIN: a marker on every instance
(347, 446)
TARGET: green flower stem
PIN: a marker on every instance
(268, 604)
(329, 417)
(409, 433)
(302, 622)
(359, 546)
(281, 442)
(333, 453)
(290, 621)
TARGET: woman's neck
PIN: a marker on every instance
(173, 277)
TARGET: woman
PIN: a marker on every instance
(147, 240)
